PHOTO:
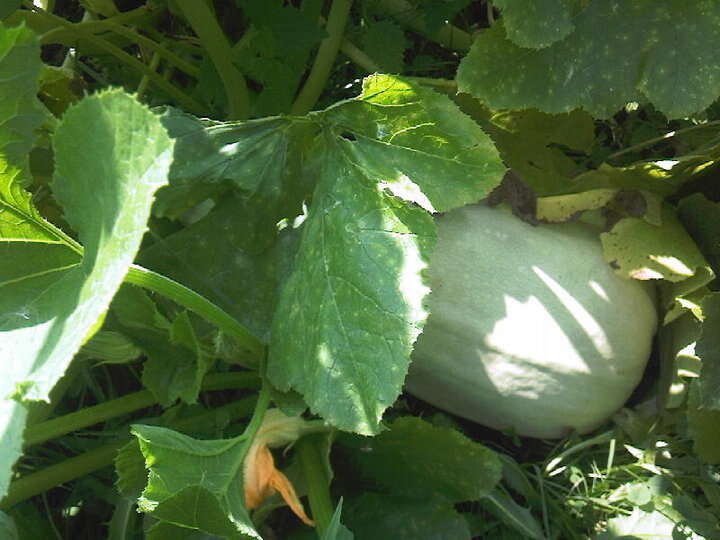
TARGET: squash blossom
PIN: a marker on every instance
(261, 478)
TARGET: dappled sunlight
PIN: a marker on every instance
(528, 331)
(601, 292)
(406, 189)
(584, 318)
(672, 263)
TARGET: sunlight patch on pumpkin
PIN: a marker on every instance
(584, 318)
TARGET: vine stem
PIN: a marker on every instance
(320, 71)
(142, 277)
(89, 462)
(311, 459)
(54, 35)
(213, 39)
(62, 425)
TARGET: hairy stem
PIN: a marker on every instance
(308, 96)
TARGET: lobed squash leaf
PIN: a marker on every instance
(620, 51)
(350, 311)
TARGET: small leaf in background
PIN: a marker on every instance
(175, 365)
(620, 51)
(59, 88)
(415, 458)
(130, 469)
(110, 348)
(386, 516)
(436, 14)
(384, 41)
(352, 308)
(653, 525)
(530, 142)
(703, 427)
(8, 7)
(708, 349)
(701, 218)
(263, 53)
(536, 24)
(640, 250)
(514, 515)
(111, 154)
(336, 530)
(20, 115)
(194, 483)
(105, 8)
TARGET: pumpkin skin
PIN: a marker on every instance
(529, 328)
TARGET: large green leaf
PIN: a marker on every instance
(415, 458)
(351, 310)
(620, 51)
(195, 483)
(111, 154)
(262, 159)
(244, 284)
(384, 516)
(536, 23)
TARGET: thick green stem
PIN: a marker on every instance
(310, 453)
(89, 416)
(339, 12)
(70, 469)
(142, 277)
(358, 56)
(89, 462)
(205, 25)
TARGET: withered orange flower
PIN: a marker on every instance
(261, 478)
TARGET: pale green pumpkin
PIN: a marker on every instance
(529, 328)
